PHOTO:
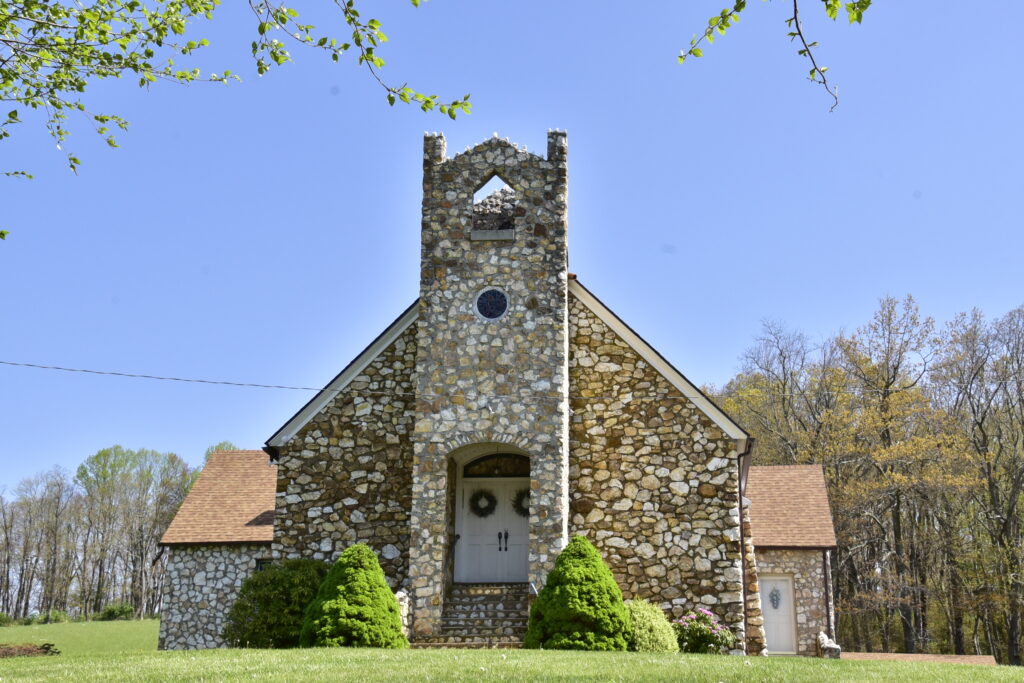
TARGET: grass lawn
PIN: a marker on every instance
(94, 637)
(126, 651)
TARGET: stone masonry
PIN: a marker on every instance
(654, 482)
(812, 605)
(752, 590)
(200, 585)
(479, 380)
(345, 477)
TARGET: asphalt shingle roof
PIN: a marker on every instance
(232, 501)
(789, 507)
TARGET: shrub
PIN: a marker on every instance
(700, 632)
(54, 616)
(6, 619)
(354, 606)
(271, 604)
(650, 630)
(116, 611)
(580, 607)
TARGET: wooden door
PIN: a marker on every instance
(492, 548)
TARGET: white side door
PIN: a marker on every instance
(779, 614)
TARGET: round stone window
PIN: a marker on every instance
(491, 304)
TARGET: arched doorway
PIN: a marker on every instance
(492, 519)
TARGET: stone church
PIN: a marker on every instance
(504, 411)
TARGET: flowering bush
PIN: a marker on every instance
(700, 632)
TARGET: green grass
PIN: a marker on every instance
(126, 651)
(95, 637)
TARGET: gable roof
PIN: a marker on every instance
(409, 316)
(789, 507)
(342, 379)
(658, 362)
(232, 501)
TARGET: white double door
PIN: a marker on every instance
(779, 615)
(491, 549)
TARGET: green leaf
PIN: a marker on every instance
(696, 52)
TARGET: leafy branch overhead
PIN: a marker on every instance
(730, 15)
(50, 51)
(366, 37)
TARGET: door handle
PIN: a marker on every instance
(506, 540)
(499, 541)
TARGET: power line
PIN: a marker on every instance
(165, 379)
(475, 395)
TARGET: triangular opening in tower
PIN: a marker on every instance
(494, 206)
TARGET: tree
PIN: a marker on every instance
(922, 440)
(51, 51)
(130, 498)
(854, 11)
(217, 448)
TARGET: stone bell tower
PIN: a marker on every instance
(492, 340)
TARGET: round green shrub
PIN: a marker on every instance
(116, 611)
(650, 630)
(354, 606)
(271, 604)
(580, 606)
(6, 619)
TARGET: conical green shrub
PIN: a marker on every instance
(580, 606)
(354, 607)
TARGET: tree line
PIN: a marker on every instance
(72, 545)
(920, 429)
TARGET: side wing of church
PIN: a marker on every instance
(504, 411)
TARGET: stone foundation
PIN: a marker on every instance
(812, 605)
(200, 585)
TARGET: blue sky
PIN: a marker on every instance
(266, 231)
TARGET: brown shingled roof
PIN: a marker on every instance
(232, 501)
(789, 507)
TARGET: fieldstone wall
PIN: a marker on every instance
(653, 482)
(346, 476)
(755, 644)
(200, 585)
(479, 380)
(809, 595)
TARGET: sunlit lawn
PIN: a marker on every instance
(126, 651)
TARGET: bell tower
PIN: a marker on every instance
(492, 345)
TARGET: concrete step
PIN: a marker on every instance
(484, 622)
(469, 642)
(486, 607)
(484, 631)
